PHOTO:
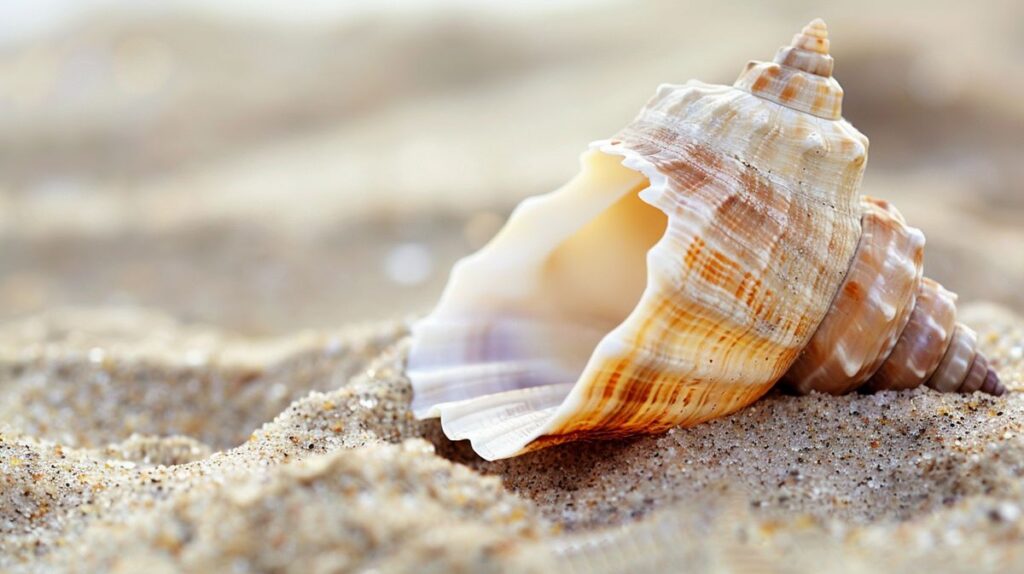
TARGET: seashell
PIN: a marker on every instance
(715, 246)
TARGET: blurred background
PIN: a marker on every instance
(273, 166)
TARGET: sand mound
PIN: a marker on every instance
(90, 378)
(116, 455)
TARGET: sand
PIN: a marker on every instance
(134, 467)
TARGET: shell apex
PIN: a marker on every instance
(800, 75)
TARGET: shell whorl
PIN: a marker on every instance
(889, 328)
(871, 308)
(800, 76)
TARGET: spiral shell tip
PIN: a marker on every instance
(813, 38)
(992, 384)
(816, 27)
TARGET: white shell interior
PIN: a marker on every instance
(567, 268)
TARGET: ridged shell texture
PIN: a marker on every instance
(714, 246)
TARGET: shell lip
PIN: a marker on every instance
(449, 411)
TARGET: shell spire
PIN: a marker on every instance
(808, 51)
(889, 327)
(800, 76)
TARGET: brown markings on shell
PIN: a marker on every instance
(748, 289)
(766, 79)
(756, 226)
(854, 292)
(635, 383)
(792, 88)
(821, 98)
(693, 253)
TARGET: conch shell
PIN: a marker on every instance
(715, 246)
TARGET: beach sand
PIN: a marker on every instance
(134, 467)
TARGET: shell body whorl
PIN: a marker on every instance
(698, 256)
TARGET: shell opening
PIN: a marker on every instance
(598, 274)
(520, 319)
